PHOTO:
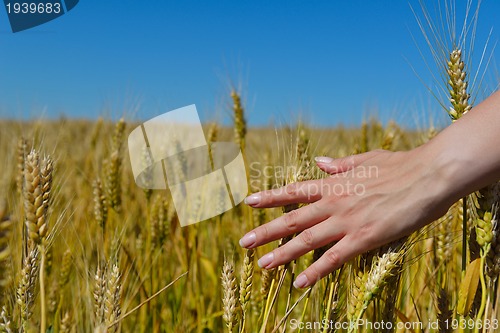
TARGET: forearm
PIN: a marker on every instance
(467, 153)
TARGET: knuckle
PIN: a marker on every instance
(262, 233)
(365, 233)
(268, 198)
(328, 189)
(307, 238)
(313, 274)
(291, 189)
(290, 220)
(345, 163)
(317, 209)
(280, 255)
(332, 258)
(314, 190)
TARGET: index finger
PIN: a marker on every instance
(303, 192)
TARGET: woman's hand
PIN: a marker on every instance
(368, 200)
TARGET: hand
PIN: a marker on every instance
(368, 200)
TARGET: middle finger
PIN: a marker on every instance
(287, 224)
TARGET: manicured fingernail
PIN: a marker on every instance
(266, 260)
(323, 159)
(253, 199)
(301, 281)
(248, 239)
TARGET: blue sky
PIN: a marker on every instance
(330, 61)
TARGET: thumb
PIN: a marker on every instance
(334, 166)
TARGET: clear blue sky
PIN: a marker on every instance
(331, 61)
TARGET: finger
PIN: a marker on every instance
(331, 260)
(287, 224)
(309, 239)
(343, 164)
(303, 192)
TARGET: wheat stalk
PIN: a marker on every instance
(247, 270)
(444, 313)
(147, 177)
(52, 298)
(229, 298)
(34, 199)
(458, 84)
(158, 221)
(21, 154)
(112, 307)
(383, 268)
(67, 262)
(5, 228)
(484, 208)
(5, 321)
(355, 298)
(493, 257)
(483, 204)
(66, 323)
(38, 185)
(25, 296)
(113, 168)
(213, 132)
(99, 295)
(100, 204)
(240, 123)
(266, 279)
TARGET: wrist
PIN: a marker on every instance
(441, 170)
(450, 168)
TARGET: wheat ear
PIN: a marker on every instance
(66, 323)
(213, 132)
(113, 168)
(383, 267)
(99, 295)
(25, 295)
(458, 83)
(444, 314)
(229, 298)
(100, 204)
(355, 298)
(33, 199)
(240, 123)
(5, 321)
(38, 185)
(246, 283)
(112, 307)
(483, 220)
(21, 155)
(5, 227)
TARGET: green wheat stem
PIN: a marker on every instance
(303, 315)
(464, 235)
(484, 253)
(268, 305)
(329, 305)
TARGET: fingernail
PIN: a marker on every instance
(253, 199)
(301, 281)
(266, 260)
(323, 159)
(248, 239)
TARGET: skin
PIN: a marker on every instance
(377, 197)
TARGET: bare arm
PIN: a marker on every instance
(470, 148)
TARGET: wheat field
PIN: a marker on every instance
(110, 246)
(84, 249)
